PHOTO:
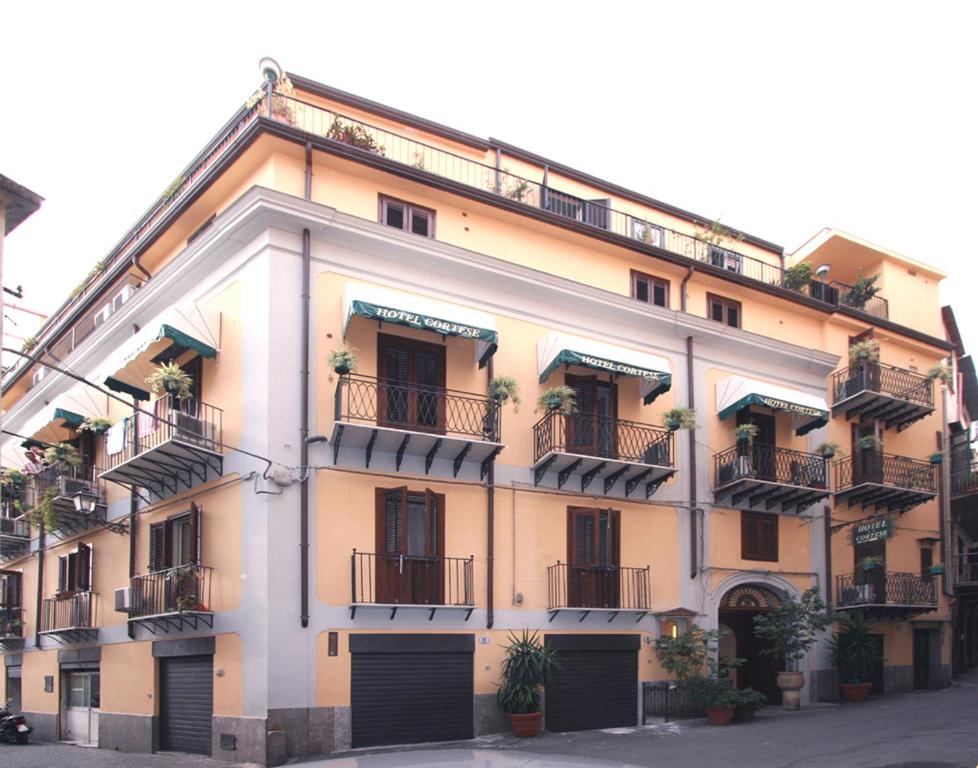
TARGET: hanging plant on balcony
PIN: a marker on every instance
(353, 134)
(827, 450)
(798, 276)
(29, 343)
(745, 433)
(343, 360)
(870, 443)
(941, 372)
(679, 418)
(170, 379)
(862, 291)
(96, 424)
(561, 398)
(10, 477)
(43, 513)
(871, 562)
(937, 457)
(866, 351)
(503, 388)
(63, 453)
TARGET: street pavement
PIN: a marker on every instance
(927, 729)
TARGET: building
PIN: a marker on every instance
(296, 559)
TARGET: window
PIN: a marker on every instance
(759, 536)
(726, 311)
(410, 542)
(926, 561)
(175, 541)
(653, 290)
(10, 590)
(75, 571)
(410, 218)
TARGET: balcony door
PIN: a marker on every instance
(763, 452)
(871, 581)
(593, 557)
(410, 390)
(867, 463)
(592, 429)
(410, 547)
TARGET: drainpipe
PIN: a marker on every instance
(827, 524)
(490, 518)
(308, 193)
(40, 584)
(693, 532)
(136, 263)
(304, 406)
(682, 290)
(133, 514)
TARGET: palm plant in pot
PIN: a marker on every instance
(561, 398)
(63, 453)
(170, 379)
(529, 665)
(342, 360)
(855, 654)
(827, 450)
(790, 629)
(679, 418)
(503, 388)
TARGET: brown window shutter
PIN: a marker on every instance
(435, 514)
(420, 223)
(390, 515)
(394, 214)
(749, 544)
(769, 538)
(157, 547)
(83, 568)
(614, 537)
(195, 549)
(63, 574)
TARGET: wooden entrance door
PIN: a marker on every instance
(410, 536)
(592, 429)
(921, 659)
(758, 671)
(411, 384)
(593, 552)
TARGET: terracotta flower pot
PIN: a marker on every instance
(856, 691)
(526, 725)
(791, 684)
(719, 715)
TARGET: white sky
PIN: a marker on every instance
(777, 117)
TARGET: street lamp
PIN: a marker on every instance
(85, 502)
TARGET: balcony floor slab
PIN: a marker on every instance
(606, 475)
(764, 495)
(168, 468)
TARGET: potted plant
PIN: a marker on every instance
(862, 291)
(353, 134)
(748, 702)
(170, 379)
(528, 666)
(827, 450)
(503, 388)
(865, 351)
(869, 443)
(96, 424)
(798, 276)
(679, 418)
(937, 457)
(62, 453)
(871, 562)
(855, 653)
(687, 654)
(790, 629)
(561, 398)
(717, 697)
(43, 513)
(343, 360)
(941, 372)
(11, 477)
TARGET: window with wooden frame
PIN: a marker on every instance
(11, 585)
(75, 571)
(652, 290)
(759, 536)
(926, 563)
(409, 547)
(407, 216)
(410, 390)
(726, 311)
(175, 541)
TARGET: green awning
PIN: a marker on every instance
(557, 349)
(737, 392)
(127, 389)
(186, 341)
(68, 418)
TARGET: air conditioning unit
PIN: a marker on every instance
(123, 599)
(39, 374)
(122, 297)
(69, 486)
(192, 429)
(102, 315)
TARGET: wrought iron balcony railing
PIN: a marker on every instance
(598, 587)
(782, 466)
(898, 383)
(385, 403)
(69, 611)
(964, 478)
(602, 437)
(885, 588)
(182, 589)
(168, 418)
(966, 568)
(412, 580)
(16, 528)
(62, 480)
(11, 623)
(876, 468)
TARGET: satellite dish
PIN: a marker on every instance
(822, 270)
(270, 70)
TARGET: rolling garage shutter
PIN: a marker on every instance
(597, 686)
(408, 689)
(186, 703)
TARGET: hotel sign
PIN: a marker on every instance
(872, 530)
(784, 405)
(423, 322)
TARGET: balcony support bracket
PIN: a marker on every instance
(632, 483)
(457, 464)
(430, 456)
(610, 480)
(400, 452)
(487, 462)
(336, 442)
(369, 452)
(541, 470)
(566, 472)
(588, 476)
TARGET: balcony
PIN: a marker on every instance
(895, 396)
(964, 478)
(70, 617)
(171, 600)
(591, 447)
(610, 590)
(427, 423)
(15, 538)
(884, 481)
(393, 582)
(171, 445)
(61, 483)
(966, 569)
(886, 595)
(763, 477)
(11, 628)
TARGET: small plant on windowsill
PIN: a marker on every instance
(62, 453)
(170, 379)
(343, 360)
(503, 388)
(562, 399)
(679, 418)
(96, 424)
(866, 351)
(941, 372)
(827, 450)
(796, 278)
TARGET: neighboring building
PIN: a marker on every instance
(341, 556)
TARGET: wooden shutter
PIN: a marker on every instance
(582, 536)
(435, 522)
(157, 547)
(758, 536)
(393, 214)
(83, 568)
(769, 538)
(389, 527)
(63, 574)
(614, 537)
(421, 222)
(926, 561)
(195, 549)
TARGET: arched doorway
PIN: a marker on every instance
(737, 610)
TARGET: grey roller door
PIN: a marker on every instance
(186, 703)
(597, 686)
(408, 689)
